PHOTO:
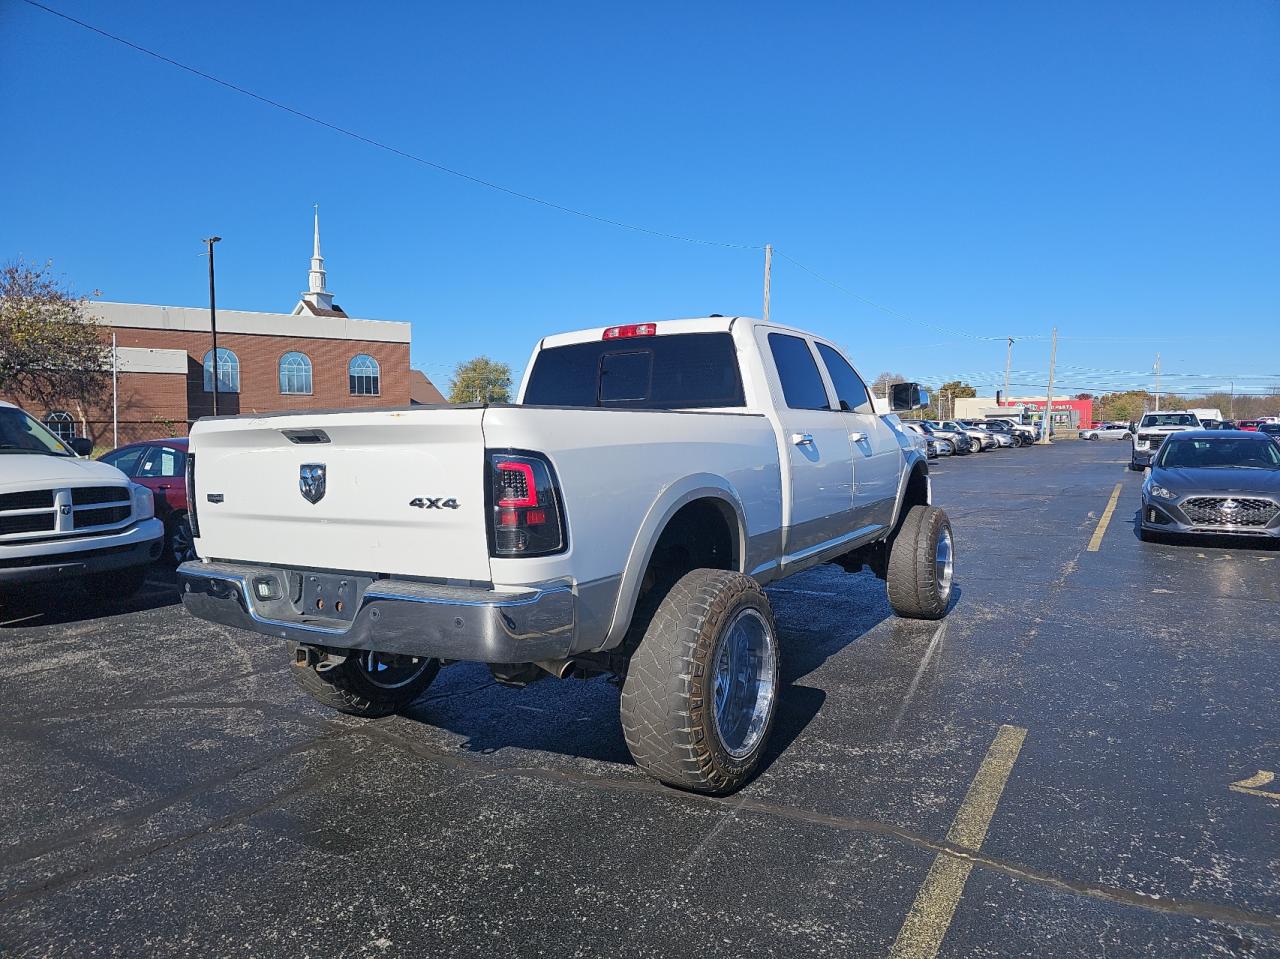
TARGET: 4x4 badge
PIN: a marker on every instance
(311, 481)
(438, 502)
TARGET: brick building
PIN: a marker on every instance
(316, 357)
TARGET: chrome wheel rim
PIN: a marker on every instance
(181, 542)
(389, 671)
(745, 677)
(944, 563)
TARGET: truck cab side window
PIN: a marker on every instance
(849, 386)
(801, 382)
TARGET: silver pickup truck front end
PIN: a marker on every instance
(388, 615)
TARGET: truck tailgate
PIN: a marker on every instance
(376, 464)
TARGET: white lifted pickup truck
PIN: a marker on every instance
(621, 517)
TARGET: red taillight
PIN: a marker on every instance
(525, 514)
(635, 329)
(519, 489)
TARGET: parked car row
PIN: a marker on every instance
(1147, 437)
(1124, 431)
(961, 437)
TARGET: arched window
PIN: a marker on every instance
(364, 375)
(228, 372)
(61, 425)
(295, 373)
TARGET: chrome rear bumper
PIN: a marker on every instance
(394, 616)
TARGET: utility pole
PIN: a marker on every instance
(1232, 414)
(768, 269)
(115, 393)
(1008, 362)
(213, 322)
(1157, 382)
(1048, 400)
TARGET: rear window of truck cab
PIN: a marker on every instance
(675, 372)
(1169, 419)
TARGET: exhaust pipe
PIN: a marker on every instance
(559, 668)
(519, 675)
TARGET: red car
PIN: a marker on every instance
(161, 465)
(1250, 425)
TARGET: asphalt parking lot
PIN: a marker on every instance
(1046, 772)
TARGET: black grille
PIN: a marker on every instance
(56, 558)
(101, 517)
(88, 495)
(27, 499)
(28, 523)
(1155, 439)
(1229, 511)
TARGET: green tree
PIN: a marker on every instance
(957, 389)
(51, 350)
(1124, 407)
(942, 401)
(480, 380)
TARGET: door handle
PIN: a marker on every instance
(802, 439)
(164, 486)
(857, 437)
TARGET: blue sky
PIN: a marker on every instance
(980, 169)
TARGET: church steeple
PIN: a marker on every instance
(317, 298)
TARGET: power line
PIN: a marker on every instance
(480, 181)
(892, 312)
(529, 197)
(301, 114)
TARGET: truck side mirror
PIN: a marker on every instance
(81, 445)
(907, 396)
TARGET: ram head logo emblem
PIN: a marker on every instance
(311, 481)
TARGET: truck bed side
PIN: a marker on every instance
(623, 474)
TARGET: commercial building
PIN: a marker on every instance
(1068, 414)
(316, 357)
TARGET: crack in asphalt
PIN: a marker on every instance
(737, 804)
(106, 864)
(13, 855)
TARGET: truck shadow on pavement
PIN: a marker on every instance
(573, 718)
(579, 718)
(54, 604)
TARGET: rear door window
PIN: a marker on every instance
(850, 389)
(680, 371)
(802, 386)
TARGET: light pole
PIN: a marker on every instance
(213, 322)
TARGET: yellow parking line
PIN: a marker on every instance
(1263, 777)
(1096, 543)
(930, 916)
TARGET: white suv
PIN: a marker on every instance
(66, 517)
